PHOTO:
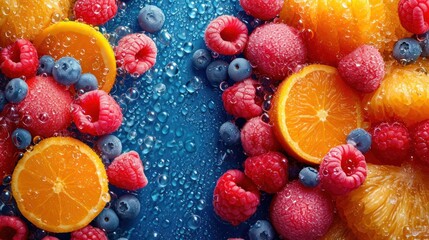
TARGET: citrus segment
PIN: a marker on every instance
(313, 111)
(403, 94)
(339, 231)
(391, 204)
(61, 185)
(84, 43)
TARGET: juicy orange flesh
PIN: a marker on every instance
(56, 191)
(321, 119)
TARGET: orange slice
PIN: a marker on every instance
(313, 111)
(61, 185)
(84, 43)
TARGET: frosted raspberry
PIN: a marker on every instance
(127, 172)
(257, 137)
(262, 9)
(420, 141)
(235, 197)
(268, 171)
(136, 53)
(414, 15)
(226, 35)
(362, 69)
(276, 50)
(298, 212)
(391, 142)
(12, 228)
(19, 59)
(343, 169)
(50, 238)
(89, 233)
(95, 12)
(240, 100)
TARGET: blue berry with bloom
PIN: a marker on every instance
(87, 82)
(261, 230)
(151, 18)
(407, 50)
(361, 139)
(216, 72)
(21, 138)
(67, 71)
(107, 220)
(109, 146)
(46, 64)
(201, 59)
(229, 133)
(127, 206)
(16, 90)
(3, 100)
(239, 69)
(309, 177)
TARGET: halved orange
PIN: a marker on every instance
(83, 42)
(314, 110)
(61, 185)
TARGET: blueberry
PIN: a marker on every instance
(216, 72)
(110, 146)
(107, 220)
(229, 133)
(2, 100)
(361, 139)
(21, 138)
(122, 238)
(127, 207)
(87, 82)
(151, 18)
(239, 69)
(46, 64)
(424, 43)
(16, 90)
(407, 50)
(67, 71)
(261, 230)
(309, 177)
(201, 59)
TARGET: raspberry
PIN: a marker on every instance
(240, 100)
(276, 50)
(420, 141)
(414, 15)
(50, 238)
(268, 171)
(257, 137)
(89, 233)
(127, 172)
(136, 53)
(19, 59)
(298, 212)
(12, 228)
(226, 35)
(235, 197)
(362, 69)
(262, 9)
(391, 142)
(342, 170)
(95, 12)
(46, 108)
(7, 149)
(96, 113)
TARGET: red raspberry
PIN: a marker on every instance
(7, 149)
(89, 233)
(19, 59)
(50, 238)
(95, 12)
(391, 142)
(46, 108)
(235, 197)
(414, 15)
(262, 9)
(136, 53)
(420, 141)
(240, 99)
(298, 212)
(12, 228)
(257, 137)
(127, 172)
(226, 35)
(342, 170)
(276, 50)
(96, 113)
(362, 69)
(268, 171)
